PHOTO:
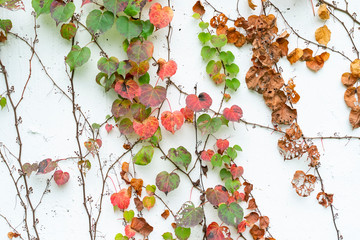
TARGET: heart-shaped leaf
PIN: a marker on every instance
(232, 185)
(227, 57)
(222, 145)
(140, 51)
(28, 168)
(68, 30)
(180, 156)
(160, 16)
(197, 104)
(149, 202)
(116, 6)
(108, 65)
(61, 177)
(121, 199)
(204, 37)
(216, 160)
(208, 125)
(99, 22)
(213, 68)
(77, 57)
(61, 12)
(217, 195)
(189, 215)
(46, 166)
(216, 232)
(129, 89)
(172, 121)
(126, 126)
(129, 232)
(120, 107)
(140, 112)
(134, 7)
(233, 114)
(182, 233)
(188, 114)
(138, 70)
(152, 97)
(207, 52)
(236, 171)
(141, 226)
(166, 69)
(128, 28)
(218, 41)
(233, 84)
(231, 214)
(147, 128)
(207, 155)
(166, 182)
(144, 156)
(41, 6)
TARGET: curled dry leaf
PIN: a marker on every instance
(313, 155)
(294, 132)
(325, 199)
(137, 184)
(222, 29)
(252, 204)
(317, 62)
(303, 184)
(138, 204)
(257, 233)
(354, 118)
(199, 8)
(291, 149)
(264, 222)
(274, 99)
(295, 55)
(252, 218)
(352, 97)
(307, 54)
(348, 79)
(323, 35)
(323, 12)
(165, 214)
(284, 115)
(251, 5)
(355, 68)
(141, 226)
(290, 90)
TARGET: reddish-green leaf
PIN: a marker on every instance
(236, 171)
(231, 214)
(120, 107)
(68, 30)
(126, 126)
(140, 112)
(127, 89)
(108, 65)
(197, 104)
(146, 128)
(160, 16)
(166, 69)
(144, 156)
(140, 51)
(166, 182)
(217, 195)
(233, 114)
(61, 177)
(121, 199)
(222, 145)
(172, 121)
(129, 232)
(188, 114)
(46, 166)
(29, 168)
(138, 70)
(61, 11)
(189, 215)
(152, 97)
(149, 202)
(216, 232)
(207, 155)
(208, 125)
(180, 156)
(115, 6)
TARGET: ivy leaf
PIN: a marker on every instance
(126, 126)
(233, 84)
(217, 195)
(144, 156)
(129, 215)
(138, 70)
(147, 29)
(227, 57)
(225, 174)
(231, 214)
(216, 160)
(149, 202)
(216, 232)
(119, 236)
(28, 168)
(121, 199)
(140, 51)
(46, 166)
(168, 236)
(218, 41)
(166, 182)
(213, 68)
(120, 107)
(197, 104)
(115, 6)
(147, 128)
(172, 121)
(160, 16)
(68, 30)
(152, 97)
(189, 215)
(166, 69)
(204, 37)
(61, 177)
(77, 57)
(144, 79)
(232, 68)
(129, 89)
(180, 156)
(61, 12)
(207, 52)
(141, 226)
(208, 125)
(134, 7)
(128, 28)
(236, 171)
(233, 114)
(207, 155)
(99, 22)
(108, 65)
(232, 185)
(140, 112)
(2, 102)
(182, 233)
(12, 5)
(222, 145)
(203, 25)
(129, 232)
(41, 6)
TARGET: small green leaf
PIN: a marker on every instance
(232, 68)
(77, 57)
(225, 174)
(208, 125)
(128, 215)
(150, 189)
(237, 147)
(216, 160)
(108, 65)
(182, 233)
(95, 126)
(6, 25)
(119, 236)
(149, 202)
(156, 138)
(232, 185)
(231, 214)
(121, 69)
(180, 156)
(144, 156)
(196, 16)
(204, 37)
(2, 102)
(144, 79)
(213, 68)
(231, 152)
(147, 29)
(203, 25)
(207, 52)
(99, 22)
(128, 28)
(116, 6)
(218, 41)
(61, 12)
(233, 84)
(68, 30)
(134, 7)
(226, 159)
(227, 57)
(168, 236)
(166, 182)
(41, 6)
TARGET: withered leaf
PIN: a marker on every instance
(165, 214)
(348, 79)
(352, 97)
(290, 90)
(307, 54)
(199, 8)
(252, 204)
(141, 226)
(137, 185)
(354, 118)
(323, 12)
(252, 218)
(323, 35)
(355, 68)
(264, 222)
(291, 149)
(221, 29)
(313, 155)
(274, 99)
(303, 184)
(257, 233)
(325, 199)
(284, 115)
(251, 5)
(295, 55)
(138, 204)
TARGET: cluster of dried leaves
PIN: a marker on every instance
(352, 93)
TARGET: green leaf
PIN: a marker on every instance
(213, 68)
(231, 214)
(77, 57)
(196, 16)
(144, 79)
(99, 22)
(116, 6)
(233, 84)
(95, 126)
(227, 57)
(216, 160)
(125, 44)
(203, 25)
(61, 12)
(166, 182)
(134, 7)
(225, 174)
(156, 138)
(182, 233)
(150, 189)
(237, 147)
(119, 236)
(168, 236)
(207, 52)
(144, 156)
(109, 82)
(218, 41)
(128, 215)
(6, 25)
(231, 152)
(208, 125)
(147, 29)
(189, 215)
(149, 202)
(232, 68)
(41, 6)
(2, 102)
(68, 30)
(180, 156)
(108, 65)
(140, 112)
(232, 185)
(128, 28)
(204, 37)
(226, 159)
(121, 69)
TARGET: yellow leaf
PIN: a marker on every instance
(322, 35)
(355, 68)
(295, 55)
(323, 12)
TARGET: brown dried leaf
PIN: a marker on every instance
(348, 79)
(125, 167)
(264, 222)
(247, 190)
(12, 235)
(137, 185)
(294, 132)
(222, 19)
(165, 214)
(251, 5)
(232, 35)
(138, 204)
(325, 199)
(257, 233)
(307, 54)
(325, 56)
(316, 63)
(252, 204)
(141, 226)
(283, 46)
(284, 115)
(295, 55)
(355, 68)
(213, 22)
(291, 149)
(323, 35)
(313, 155)
(199, 8)
(303, 184)
(222, 29)
(274, 99)
(290, 90)
(241, 41)
(354, 118)
(323, 12)
(252, 218)
(352, 97)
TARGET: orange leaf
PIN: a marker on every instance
(251, 5)
(348, 79)
(323, 12)
(295, 55)
(147, 128)
(165, 214)
(355, 68)
(172, 121)
(160, 16)
(323, 35)
(166, 69)
(137, 185)
(121, 199)
(141, 226)
(199, 8)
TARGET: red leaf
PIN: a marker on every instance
(172, 121)
(222, 145)
(147, 128)
(188, 114)
(85, 2)
(207, 155)
(166, 69)
(46, 166)
(217, 195)
(236, 172)
(152, 97)
(129, 232)
(121, 199)
(160, 16)
(203, 102)
(129, 89)
(216, 232)
(61, 177)
(242, 226)
(109, 127)
(233, 114)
